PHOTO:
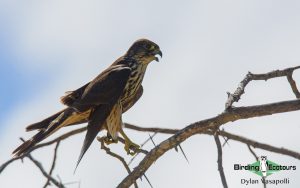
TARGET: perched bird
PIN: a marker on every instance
(102, 101)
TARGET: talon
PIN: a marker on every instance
(131, 148)
(109, 140)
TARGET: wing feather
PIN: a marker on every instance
(98, 118)
(106, 88)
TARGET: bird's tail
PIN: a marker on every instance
(44, 123)
(55, 122)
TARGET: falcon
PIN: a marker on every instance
(102, 101)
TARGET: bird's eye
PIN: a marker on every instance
(149, 47)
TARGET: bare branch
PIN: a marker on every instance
(228, 135)
(4, 165)
(235, 97)
(183, 153)
(152, 140)
(260, 145)
(53, 164)
(145, 142)
(50, 178)
(148, 180)
(252, 152)
(220, 163)
(150, 129)
(293, 85)
(107, 150)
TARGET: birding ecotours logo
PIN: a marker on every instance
(263, 167)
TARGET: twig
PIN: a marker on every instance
(260, 145)
(220, 165)
(4, 165)
(151, 129)
(145, 142)
(107, 150)
(293, 84)
(50, 178)
(235, 97)
(252, 152)
(53, 164)
(72, 183)
(148, 180)
(152, 140)
(183, 153)
(39, 165)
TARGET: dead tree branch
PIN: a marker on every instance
(260, 145)
(53, 164)
(220, 160)
(49, 177)
(293, 84)
(252, 152)
(235, 97)
(107, 150)
(228, 135)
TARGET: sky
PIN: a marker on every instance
(49, 47)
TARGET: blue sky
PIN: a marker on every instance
(49, 47)
(16, 85)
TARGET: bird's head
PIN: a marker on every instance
(144, 51)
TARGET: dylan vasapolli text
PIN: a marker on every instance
(266, 181)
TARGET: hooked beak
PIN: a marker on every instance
(157, 52)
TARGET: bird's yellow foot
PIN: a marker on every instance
(130, 147)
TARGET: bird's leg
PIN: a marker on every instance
(129, 144)
(109, 140)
